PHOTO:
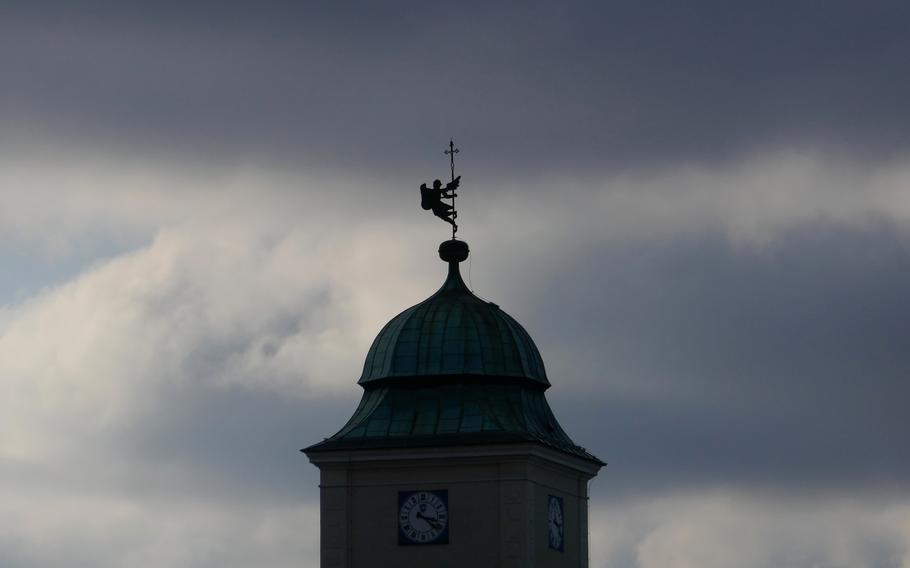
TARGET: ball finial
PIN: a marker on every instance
(453, 251)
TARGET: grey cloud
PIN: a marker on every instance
(585, 87)
(234, 444)
(726, 528)
(686, 361)
(697, 362)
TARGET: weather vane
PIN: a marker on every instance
(431, 197)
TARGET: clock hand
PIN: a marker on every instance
(430, 521)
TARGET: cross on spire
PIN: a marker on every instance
(451, 153)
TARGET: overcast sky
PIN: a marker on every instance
(700, 211)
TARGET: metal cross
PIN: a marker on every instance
(451, 153)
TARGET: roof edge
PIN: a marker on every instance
(449, 441)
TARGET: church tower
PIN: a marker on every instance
(453, 457)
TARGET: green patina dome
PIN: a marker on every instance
(453, 333)
(452, 414)
(453, 370)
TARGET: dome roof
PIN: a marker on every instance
(452, 414)
(453, 332)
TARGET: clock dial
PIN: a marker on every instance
(555, 524)
(423, 517)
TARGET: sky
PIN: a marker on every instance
(700, 211)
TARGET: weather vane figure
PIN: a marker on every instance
(431, 197)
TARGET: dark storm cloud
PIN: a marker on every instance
(525, 86)
(709, 364)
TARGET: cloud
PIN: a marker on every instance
(723, 528)
(751, 202)
(153, 406)
(530, 88)
(58, 531)
(779, 365)
(214, 306)
(698, 211)
(733, 327)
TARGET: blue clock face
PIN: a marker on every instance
(556, 524)
(423, 517)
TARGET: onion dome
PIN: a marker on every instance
(453, 333)
(453, 370)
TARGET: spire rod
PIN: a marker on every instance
(451, 153)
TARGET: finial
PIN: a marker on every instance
(453, 251)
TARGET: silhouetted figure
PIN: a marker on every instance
(431, 199)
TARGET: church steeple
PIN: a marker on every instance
(454, 445)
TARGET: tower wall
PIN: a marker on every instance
(497, 501)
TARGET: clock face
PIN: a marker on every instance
(423, 517)
(555, 524)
